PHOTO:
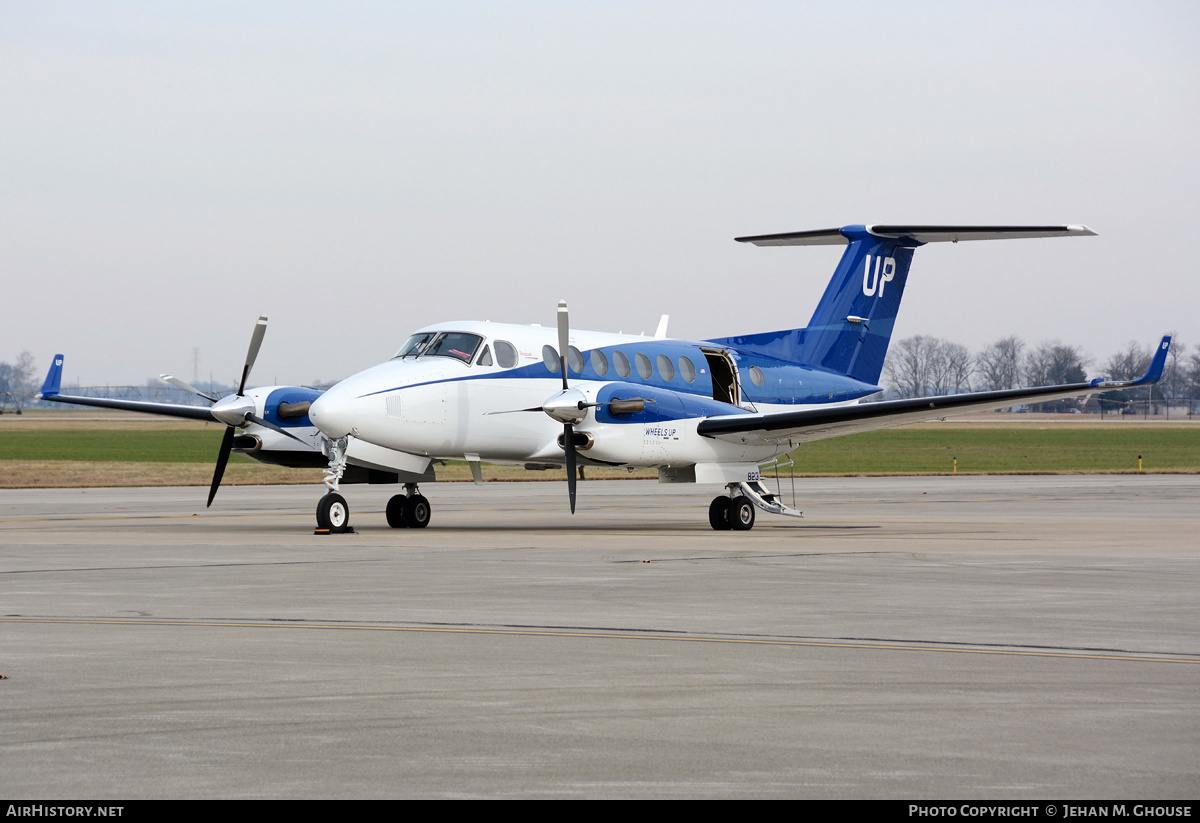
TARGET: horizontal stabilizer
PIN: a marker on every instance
(921, 234)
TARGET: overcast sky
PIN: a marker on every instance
(355, 170)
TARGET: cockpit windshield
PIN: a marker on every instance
(413, 345)
(456, 344)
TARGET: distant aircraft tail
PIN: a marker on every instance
(852, 326)
(53, 383)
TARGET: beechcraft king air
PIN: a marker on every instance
(699, 411)
(706, 411)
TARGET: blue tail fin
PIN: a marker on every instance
(850, 330)
(852, 326)
(53, 378)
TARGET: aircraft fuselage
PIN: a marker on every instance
(486, 403)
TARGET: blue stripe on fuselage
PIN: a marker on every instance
(783, 384)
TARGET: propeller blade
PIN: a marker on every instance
(179, 384)
(564, 346)
(266, 424)
(222, 459)
(260, 329)
(564, 337)
(569, 448)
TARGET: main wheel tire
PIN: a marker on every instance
(718, 514)
(416, 512)
(741, 514)
(333, 513)
(395, 512)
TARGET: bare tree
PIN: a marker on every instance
(1174, 380)
(924, 365)
(1191, 375)
(950, 368)
(16, 380)
(999, 365)
(1128, 364)
(1053, 363)
(907, 365)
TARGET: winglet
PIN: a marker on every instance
(53, 378)
(1154, 373)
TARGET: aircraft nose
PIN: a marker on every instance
(333, 413)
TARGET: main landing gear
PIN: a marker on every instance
(409, 510)
(736, 513)
(735, 509)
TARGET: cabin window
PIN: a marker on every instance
(599, 362)
(622, 364)
(456, 344)
(485, 357)
(643, 365)
(550, 358)
(413, 345)
(575, 360)
(756, 376)
(665, 368)
(687, 369)
(506, 354)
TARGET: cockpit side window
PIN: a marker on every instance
(506, 354)
(456, 344)
(485, 357)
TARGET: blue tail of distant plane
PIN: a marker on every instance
(852, 326)
(53, 383)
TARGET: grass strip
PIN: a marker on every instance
(184, 456)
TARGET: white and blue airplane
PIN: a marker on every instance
(699, 411)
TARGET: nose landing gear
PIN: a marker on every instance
(333, 514)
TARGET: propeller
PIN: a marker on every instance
(564, 328)
(235, 410)
(570, 406)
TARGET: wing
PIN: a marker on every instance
(54, 382)
(819, 424)
(168, 409)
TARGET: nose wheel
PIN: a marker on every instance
(333, 514)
